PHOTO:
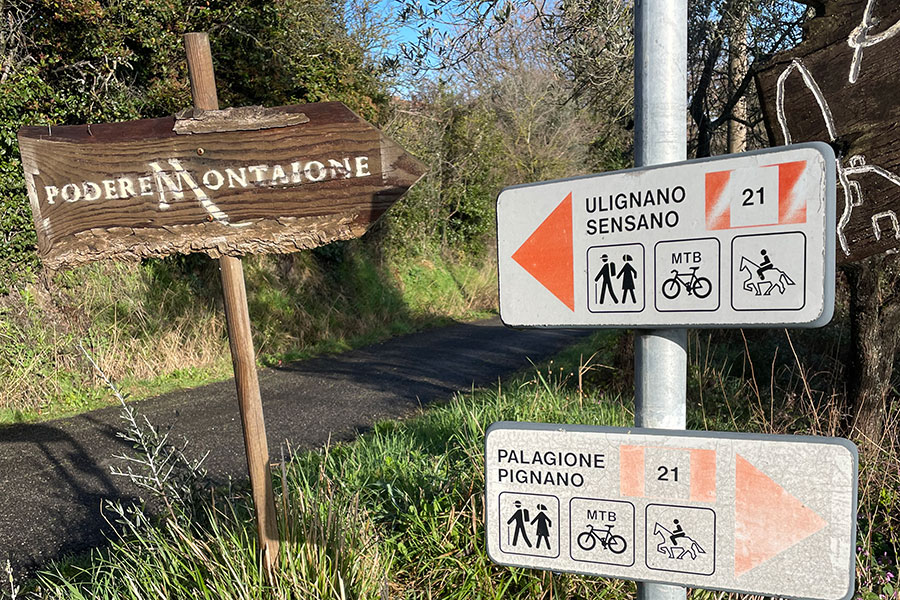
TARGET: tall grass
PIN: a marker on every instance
(160, 325)
(399, 512)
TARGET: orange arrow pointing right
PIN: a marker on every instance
(768, 520)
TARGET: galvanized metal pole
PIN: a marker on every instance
(660, 81)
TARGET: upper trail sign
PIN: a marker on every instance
(735, 241)
(231, 182)
(839, 86)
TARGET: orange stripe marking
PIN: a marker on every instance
(791, 207)
(718, 212)
(703, 475)
(631, 471)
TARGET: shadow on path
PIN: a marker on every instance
(54, 476)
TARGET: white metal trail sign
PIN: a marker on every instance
(742, 240)
(772, 515)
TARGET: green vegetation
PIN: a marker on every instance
(399, 512)
(160, 325)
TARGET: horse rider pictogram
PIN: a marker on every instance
(764, 277)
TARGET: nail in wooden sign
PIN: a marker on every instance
(230, 182)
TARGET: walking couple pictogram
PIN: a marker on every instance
(521, 518)
(607, 273)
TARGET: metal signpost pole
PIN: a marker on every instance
(660, 61)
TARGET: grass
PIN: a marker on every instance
(159, 325)
(399, 512)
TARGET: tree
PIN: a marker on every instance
(510, 116)
(83, 61)
(838, 87)
(585, 45)
(723, 34)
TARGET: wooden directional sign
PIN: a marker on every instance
(771, 515)
(840, 86)
(232, 182)
(732, 241)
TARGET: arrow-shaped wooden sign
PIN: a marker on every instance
(230, 182)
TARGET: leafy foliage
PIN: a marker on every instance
(85, 61)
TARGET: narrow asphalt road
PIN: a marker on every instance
(55, 475)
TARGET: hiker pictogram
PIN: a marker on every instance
(605, 276)
(542, 526)
(626, 276)
(616, 278)
(518, 521)
(529, 523)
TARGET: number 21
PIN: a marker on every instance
(667, 474)
(749, 194)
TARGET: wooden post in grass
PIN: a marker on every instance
(203, 90)
(297, 177)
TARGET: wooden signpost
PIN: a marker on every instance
(224, 182)
(839, 86)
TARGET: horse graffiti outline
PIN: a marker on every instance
(858, 39)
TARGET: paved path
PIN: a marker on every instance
(54, 475)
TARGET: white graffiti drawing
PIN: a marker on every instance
(886, 215)
(859, 38)
(856, 164)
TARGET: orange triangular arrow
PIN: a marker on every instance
(768, 520)
(547, 254)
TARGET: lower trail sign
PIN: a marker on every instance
(731, 241)
(772, 515)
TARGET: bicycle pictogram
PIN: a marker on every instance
(689, 281)
(587, 540)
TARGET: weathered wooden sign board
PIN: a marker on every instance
(231, 182)
(840, 86)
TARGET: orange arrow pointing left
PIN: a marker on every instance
(547, 254)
